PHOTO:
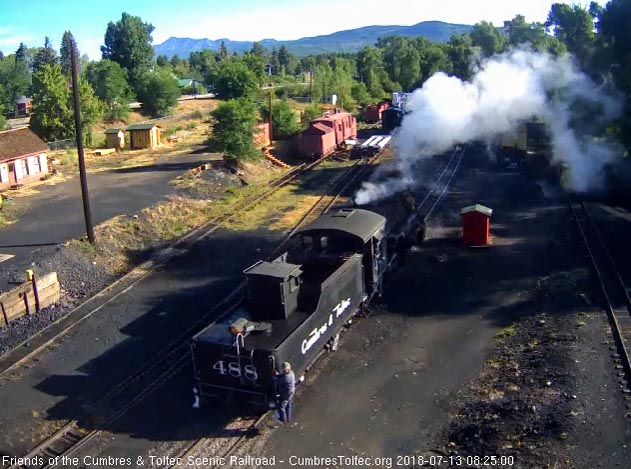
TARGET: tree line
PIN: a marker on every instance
(598, 37)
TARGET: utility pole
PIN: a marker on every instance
(79, 134)
(339, 95)
(271, 129)
(311, 85)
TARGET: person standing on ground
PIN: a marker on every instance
(285, 388)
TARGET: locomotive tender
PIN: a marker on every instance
(295, 306)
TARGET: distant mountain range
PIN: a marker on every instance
(341, 41)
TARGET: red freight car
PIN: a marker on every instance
(341, 126)
(317, 141)
(373, 112)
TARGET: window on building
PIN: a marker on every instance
(37, 165)
(24, 167)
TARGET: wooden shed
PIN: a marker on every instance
(115, 138)
(144, 135)
(476, 225)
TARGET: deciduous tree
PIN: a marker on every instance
(14, 82)
(284, 119)
(574, 26)
(52, 110)
(128, 42)
(53, 113)
(488, 38)
(233, 79)
(233, 130)
(109, 81)
(158, 91)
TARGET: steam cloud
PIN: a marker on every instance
(505, 91)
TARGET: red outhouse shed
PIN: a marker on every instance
(476, 225)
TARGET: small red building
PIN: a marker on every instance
(317, 141)
(23, 106)
(23, 157)
(476, 225)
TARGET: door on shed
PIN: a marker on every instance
(12, 177)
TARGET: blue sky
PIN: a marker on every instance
(29, 21)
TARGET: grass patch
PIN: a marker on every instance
(68, 158)
(506, 333)
(124, 240)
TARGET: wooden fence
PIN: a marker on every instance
(29, 298)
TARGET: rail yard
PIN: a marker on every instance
(424, 288)
(397, 361)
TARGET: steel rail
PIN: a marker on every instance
(139, 273)
(349, 177)
(73, 437)
(618, 303)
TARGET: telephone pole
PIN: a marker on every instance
(79, 134)
(271, 129)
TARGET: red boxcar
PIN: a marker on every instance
(326, 133)
(317, 141)
(343, 124)
(373, 112)
(476, 225)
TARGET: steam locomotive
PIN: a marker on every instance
(296, 305)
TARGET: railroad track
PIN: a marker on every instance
(247, 426)
(196, 448)
(618, 303)
(72, 437)
(139, 273)
(424, 209)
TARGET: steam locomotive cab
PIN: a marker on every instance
(295, 304)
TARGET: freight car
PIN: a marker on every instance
(529, 148)
(296, 305)
(391, 118)
(326, 133)
(373, 112)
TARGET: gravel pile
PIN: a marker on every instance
(79, 278)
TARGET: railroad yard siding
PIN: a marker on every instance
(113, 343)
(396, 380)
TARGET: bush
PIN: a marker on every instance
(313, 111)
(284, 121)
(158, 91)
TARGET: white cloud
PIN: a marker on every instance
(15, 40)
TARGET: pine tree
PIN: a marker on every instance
(67, 43)
(45, 56)
(284, 57)
(20, 54)
(223, 51)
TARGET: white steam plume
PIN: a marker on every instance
(505, 91)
